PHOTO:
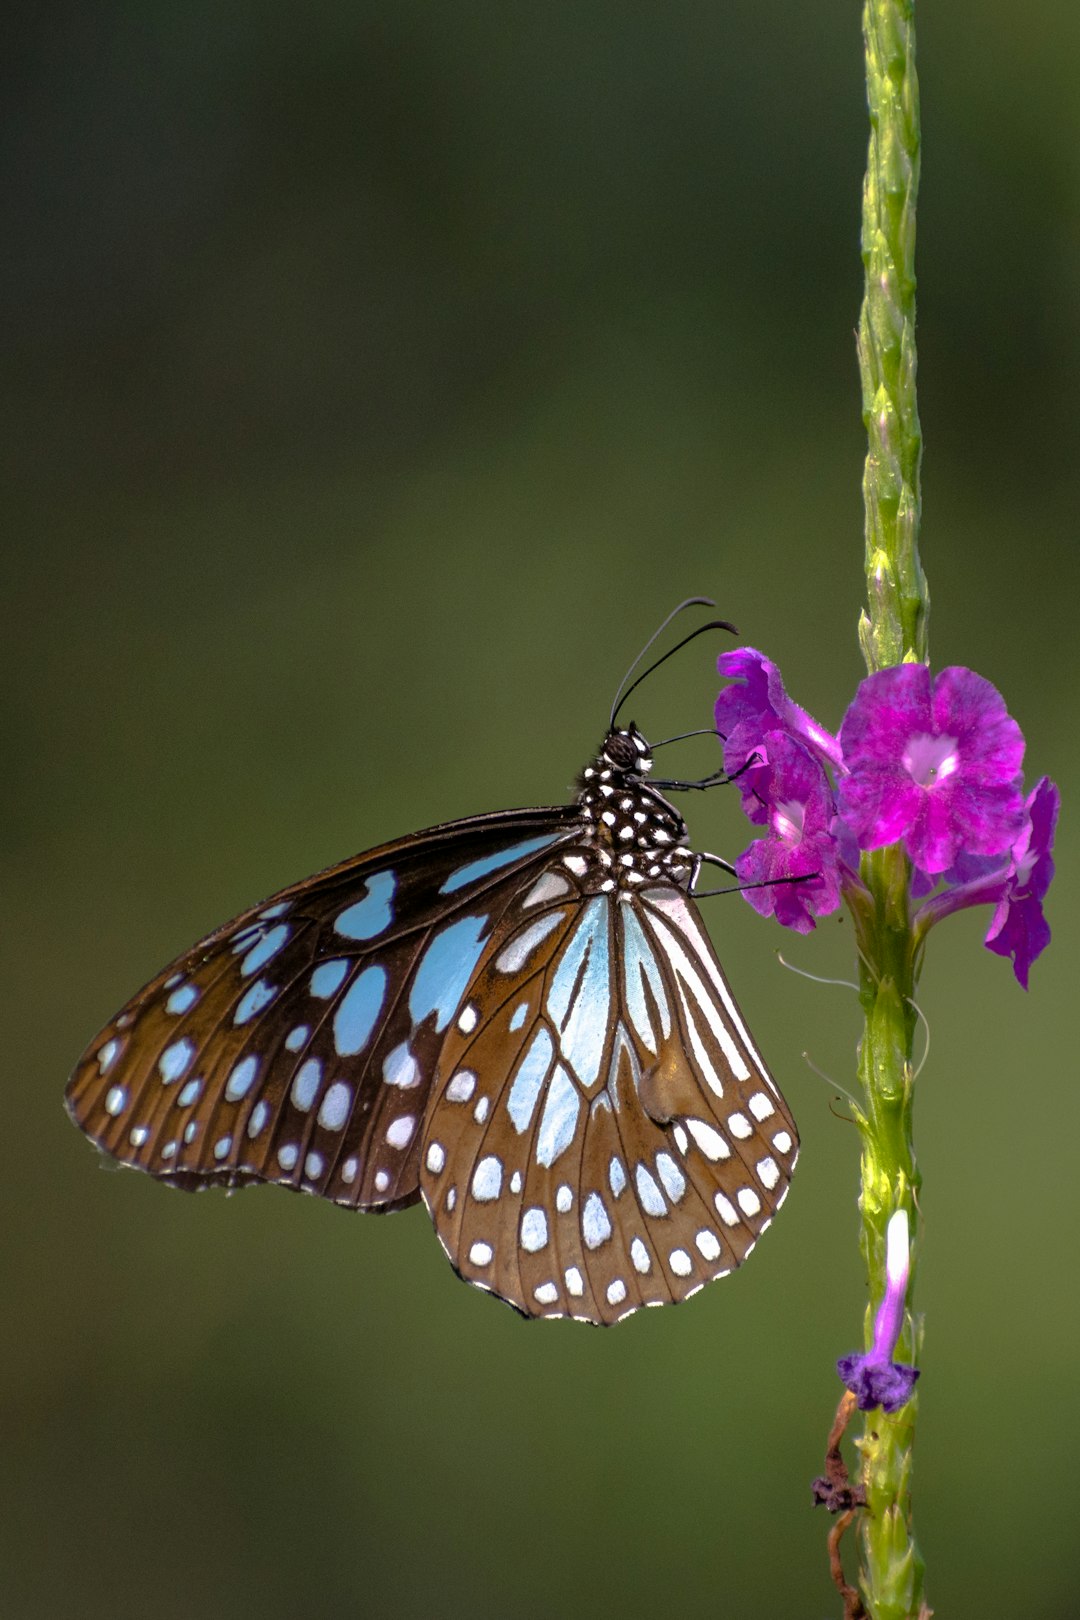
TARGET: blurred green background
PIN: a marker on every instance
(376, 378)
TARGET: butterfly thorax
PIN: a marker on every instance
(637, 836)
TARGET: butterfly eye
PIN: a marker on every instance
(621, 750)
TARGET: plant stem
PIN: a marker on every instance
(892, 629)
(891, 1568)
(895, 627)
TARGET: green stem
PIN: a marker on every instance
(895, 627)
(892, 629)
(891, 1568)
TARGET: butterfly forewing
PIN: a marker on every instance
(608, 1136)
(297, 1043)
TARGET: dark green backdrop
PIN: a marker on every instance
(376, 377)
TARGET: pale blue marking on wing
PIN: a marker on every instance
(560, 1117)
(182, 999)
(334, 1108)
(649, 1194)
(328, 977)
(640, 959)
(175, 1059)
(672, 1177)
(259, 996)
(371, 915)
(445, 970)
(190, 1093)
(616, 1175)
(491, 863)
(240, 1080)
(400, 1068)
(581, 1010)
(534, 1231)
(265, 950)
(530, 1076)
(306, 1084)
(359, 1010)
(295, 1039)
(520, 1014)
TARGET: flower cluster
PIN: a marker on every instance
(931, 762)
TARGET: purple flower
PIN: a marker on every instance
(935, 763)
(755, 704)
(799, 844)
(873, 1376)
(1015, 887)
(1018, 928)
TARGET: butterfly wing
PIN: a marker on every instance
(297, 1043)
(607, 1136)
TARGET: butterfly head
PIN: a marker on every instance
(626, 751)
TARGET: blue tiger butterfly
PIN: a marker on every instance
(518, 1017)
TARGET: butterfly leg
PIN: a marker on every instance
(703, 859)
(717, 779)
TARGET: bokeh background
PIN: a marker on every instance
(376, 377)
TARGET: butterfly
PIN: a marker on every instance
(517, 1017)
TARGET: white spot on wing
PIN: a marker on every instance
(534, 1230)
(769, 1172)
(708, 1244)
(515, 955)
(400, 1132)
(672, 1177)
(487, 1179)
(710, 1141)
(400, 1068)
(461, 1086)
(649, 1195)
(595, 1224)
(549, 887)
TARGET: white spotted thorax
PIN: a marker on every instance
(518, 1018)
(635, 834)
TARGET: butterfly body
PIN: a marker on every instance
(517, 1017)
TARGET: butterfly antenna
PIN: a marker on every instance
(714, 624)
(702, 731)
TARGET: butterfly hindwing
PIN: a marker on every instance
(297, 1043)
(607, 1137)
